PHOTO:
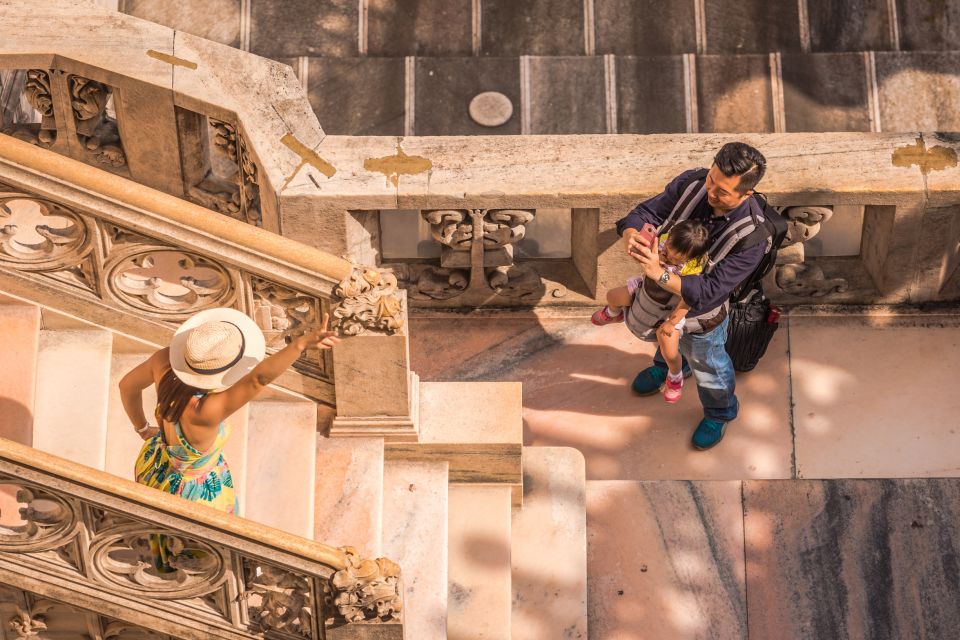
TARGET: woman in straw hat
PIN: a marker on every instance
(213, 367)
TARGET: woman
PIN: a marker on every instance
(213, 367)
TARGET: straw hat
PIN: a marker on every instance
(215, 348)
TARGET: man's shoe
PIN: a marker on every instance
(651, 380)
(708, 433)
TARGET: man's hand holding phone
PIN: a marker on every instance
(645, 237)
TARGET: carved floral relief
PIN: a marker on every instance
(96, 129)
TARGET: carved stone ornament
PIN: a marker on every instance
(38, 234)
(95, 128)
(37, 90)
(30, 623)
(805, 222)
(168, 281)
(808, 280)
(278, 600)
(280, 312)
(118, 630)
(250, 185)
(367, 590)
(47, 520)
(122, 559)
(370, 303)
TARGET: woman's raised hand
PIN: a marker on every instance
(318, 337)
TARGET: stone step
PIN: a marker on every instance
(349, 494)
(479, 593)
(475, 426)
(19, 345)
(281, 449)
(549, 546)
(72, 396)
(415, 525)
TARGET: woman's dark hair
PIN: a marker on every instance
(173, 395)
(689, 238)
(740, 159)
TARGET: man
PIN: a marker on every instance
(720, 199)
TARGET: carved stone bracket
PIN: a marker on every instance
(367, 590)
(793, 275)
(97, 131)
(37, 90)
(481, 269)
(370, 303)
(47, 520)
(279, 600)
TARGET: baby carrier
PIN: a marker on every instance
(753, 320)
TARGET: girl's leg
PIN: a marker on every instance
(617, 298)
(670, 350)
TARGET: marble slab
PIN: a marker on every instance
(532, 27)
(644, 27)
(873, 402)
(665, 560)
(550, 597)
(651, 94)
(349, 494)
(415, 525)
(733, 93)
(478, 595)
(70, 419)
(751, 26)
(825, 92)
(567, 95)
(852, 559)
(419, 28)
(471, 412)
(379, 113)
(19, 342)
(928, 25)
(919, 91)
(445, 87)
(304, 28)
(849, 25)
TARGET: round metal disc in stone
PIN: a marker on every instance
(490, 108)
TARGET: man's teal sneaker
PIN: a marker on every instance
(652, 379)
(708, 433)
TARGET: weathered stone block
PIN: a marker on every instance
(919, 91)
(533, 27)
(751, 26)
(340, 94)
(651, 94)
(419, 27)
(304, 28)
(734, 94)
(445, 87)
(567, 95)
(928, 25)
(645, 27)
(825, 92)
(849, 25)
(217, 20)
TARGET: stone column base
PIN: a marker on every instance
(390, 428)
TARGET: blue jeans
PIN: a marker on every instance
(712, 368)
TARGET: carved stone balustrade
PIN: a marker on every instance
(138, 261)
(82, 544)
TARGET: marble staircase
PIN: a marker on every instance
(480, 540)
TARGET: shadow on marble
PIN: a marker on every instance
(576, 393)
(875, 402)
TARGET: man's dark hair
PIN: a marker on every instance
(740, 159)
(690, 238)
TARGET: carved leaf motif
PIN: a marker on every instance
(95, 128)
(278, 600)
(280, 312)
(502, 227)
(367, 589)
(37, 90)
(808, 281)
(450, 227)
(370, 302)
(805, 222)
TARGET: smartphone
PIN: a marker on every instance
(647, 233)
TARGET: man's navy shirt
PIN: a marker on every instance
(702, 292)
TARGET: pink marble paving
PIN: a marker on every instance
(576, 393)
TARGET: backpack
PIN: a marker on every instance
(753, 320)
(769, 227)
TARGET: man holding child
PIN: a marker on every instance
(721, 199)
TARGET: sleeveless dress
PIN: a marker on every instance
(181, 470)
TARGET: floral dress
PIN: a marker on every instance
(181, 470)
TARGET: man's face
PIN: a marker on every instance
(722, 191)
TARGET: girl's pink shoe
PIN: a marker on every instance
(603, 317)
(672, 390)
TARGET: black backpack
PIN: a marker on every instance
(752, 321)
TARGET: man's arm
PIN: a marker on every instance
(656, 209)
(710, 290)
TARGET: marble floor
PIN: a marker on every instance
(828, 510)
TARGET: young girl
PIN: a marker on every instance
(651, 313)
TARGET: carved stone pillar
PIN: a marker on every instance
(377, 394)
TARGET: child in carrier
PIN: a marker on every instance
(654, 314)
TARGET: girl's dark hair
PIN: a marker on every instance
(173, 395)
(689, 238)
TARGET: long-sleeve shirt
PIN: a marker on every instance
(702, 292)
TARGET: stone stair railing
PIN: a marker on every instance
(138, 261)
(82, 540)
